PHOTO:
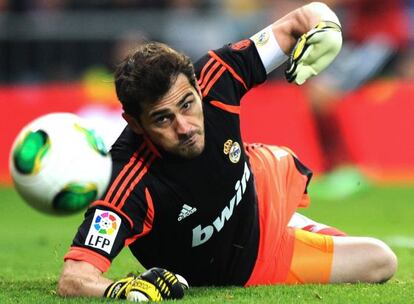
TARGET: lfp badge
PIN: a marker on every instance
(105, 223)
(103, 230)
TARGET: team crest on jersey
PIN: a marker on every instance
(104, 228)
(233, 150)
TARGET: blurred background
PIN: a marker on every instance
(354, 122)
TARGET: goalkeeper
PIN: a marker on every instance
(194, 204)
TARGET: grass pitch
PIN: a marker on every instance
(33, 244)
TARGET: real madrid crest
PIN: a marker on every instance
(261, 38)
(232, 149)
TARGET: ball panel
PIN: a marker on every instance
(75, 197)
(60, 164)
(29, 152)
(95, 141)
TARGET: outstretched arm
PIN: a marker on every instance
(80, 278)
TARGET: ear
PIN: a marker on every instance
(133, 123)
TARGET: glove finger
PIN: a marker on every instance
(173, 282)
(304, 73)
(290, 70)
(294, 66)
(166, 282)
(136, 296)
(182, 281)
(297, 54)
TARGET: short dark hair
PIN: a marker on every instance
(148, 73)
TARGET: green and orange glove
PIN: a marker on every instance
(314, 51)
(155, 284)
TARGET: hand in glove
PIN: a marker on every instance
(314, 51)
(155, 284)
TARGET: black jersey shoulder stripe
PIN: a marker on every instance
(210, 84)
(123, 173)
(132, 173)
(118, 198)
(204, 69)
(130, 170)
(137, 178)
(228, 68)
(149, 219)
(209, 74)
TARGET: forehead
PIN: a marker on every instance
(179, 89)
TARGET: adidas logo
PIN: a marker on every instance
(185, 212)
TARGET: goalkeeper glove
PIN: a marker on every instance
(155, 284)
(314, 51)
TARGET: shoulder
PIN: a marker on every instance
(229, 55)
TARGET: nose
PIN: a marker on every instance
(182, 125)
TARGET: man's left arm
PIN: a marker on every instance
(311, 35)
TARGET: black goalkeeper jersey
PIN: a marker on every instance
(195, 217)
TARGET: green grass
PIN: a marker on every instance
(32, 247)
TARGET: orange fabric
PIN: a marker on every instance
(87, 255)
(280, 191)
(312, 258)
(226, 107)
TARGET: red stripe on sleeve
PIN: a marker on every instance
(89, 256)
(203, 71)
(209, 74)
(126, 181)
(136, 181)
(229, 68)
(123, 172)
(213, 81)
(226, 107)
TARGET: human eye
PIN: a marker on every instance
(187, 105)
(161, 120)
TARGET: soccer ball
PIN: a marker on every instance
(59, 164)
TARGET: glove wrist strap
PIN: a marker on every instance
(117, 290)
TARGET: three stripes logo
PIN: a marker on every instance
(213, 70)
(131, 174)
(185, 212)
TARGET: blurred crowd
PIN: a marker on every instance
(27, 5)
(51, 40)
(83, 40)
